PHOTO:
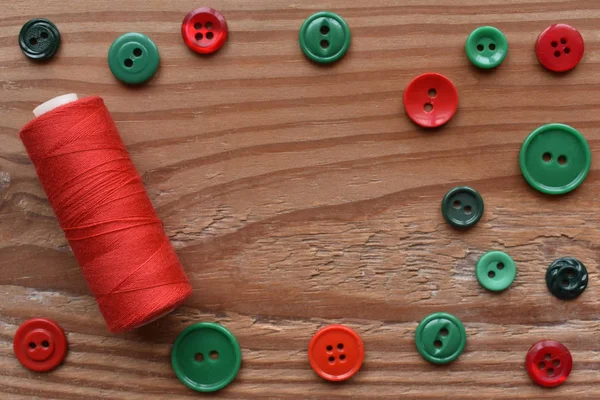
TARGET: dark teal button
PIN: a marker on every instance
(462, 207)
(566, 278)
(486, 47)
(133, 58)
(39, 39)
(324, 37)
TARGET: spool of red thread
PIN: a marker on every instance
(104, 211)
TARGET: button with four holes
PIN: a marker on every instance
(440, 338)
(336, 353)
(486, 47)
(555, 159)
(495, 271)
(206, 357)
(566, 278)
(559, 47)
(133, 58)
(40, 344)
(462, 207)
(430, 100)
(324, 37)
(39, 39)
(204, 30)
(548, 363)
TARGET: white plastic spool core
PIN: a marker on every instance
(53, 103)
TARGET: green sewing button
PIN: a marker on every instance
(206, 357)
(39, 39)
(495, 271)
(133, 58)
(324, 37)
(462, 207)
(555, 159)
(486, 47)
(440, 338)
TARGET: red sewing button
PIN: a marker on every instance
(336, 353)
(40, 344)
(559, 47)
(430, 100)
(548, 363)
(204, 30)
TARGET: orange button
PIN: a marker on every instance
(336, 353)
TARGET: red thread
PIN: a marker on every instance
(103, 208)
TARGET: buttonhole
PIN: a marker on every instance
(342, 357)
(437, 344)
(33, 41)
(137, 52)
(563, 41)
(468, 209)
(491, 274)
(547, 356)
(567, 50)
(197, 25)
(324, 30)
(492, 46)
(500, 266)
(456, 204)
(46, 344)
(128, 63)
(329, 348)
(199, 36)
(553, 44)
(556, 363)
(199, 357)
(480, 47)
(208, 25)
(562, 160)
(340, 346)
(542, 365)
(210, 35)
(550, 371)
(331, 359)
(44, 35)
(324, 44)
(547, 157)
(31, 345)
(432, 93)
(565, 282)
(570, 273)
(444, 332)
(557, 53)
(428, 107)
(214, 355)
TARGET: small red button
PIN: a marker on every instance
(430, 100)
(559, 47)
(40, 344)
(548, 363)
(336, 353)
(204, 30)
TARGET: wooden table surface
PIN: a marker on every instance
(298, 195)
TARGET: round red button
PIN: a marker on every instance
(559, 47)
(204, 30)
(40, 344)
(548, 363)
(336, 353)
(430, 100)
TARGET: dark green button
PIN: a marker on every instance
(495, 271)
(440, 338)
(555, 159)
(462, 207)
(133, 58)
(324, 37)
(206, 357)
(39, 39)
(486, 47)
(566, 278)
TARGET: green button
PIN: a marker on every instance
(39, 39)
(486, 47)
(324, 37)
(462, 207)
(555, 159)
(495, 271)
(206, 357)
(440, 338)
(133, 58)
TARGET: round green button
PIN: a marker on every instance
(324, 37)
(486, 47)
(462, 207)
(495, 271)
(555, 159)
(206, 357)
(133, 58)
(440, 338)
(39, 39)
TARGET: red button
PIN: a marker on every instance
(548, 363)
(430, 100)
(336, 353)
(559, 47)
(40, 344)
(204, 30)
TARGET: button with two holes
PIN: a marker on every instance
(440, 338)
(559, 48)
(495, 271)
(204, 30)
(549, 363)
(40, 344)
(430, 100)
(555, 159)
(206, 357)
(336, 353)
(486, 47)
(462, 207)
(39, 39)
(324, 37)
(133, 58)
(566, 278)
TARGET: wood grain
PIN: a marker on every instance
(298, 196)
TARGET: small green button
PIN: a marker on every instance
(462, 207)
(486, 47)
(39, 39)
(440, 338)
(324, 37)
(495, 271)
(206, 357)
(133, 58)
(555, 159)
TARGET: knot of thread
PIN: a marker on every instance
(105, 213)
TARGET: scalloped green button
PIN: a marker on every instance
(440, 338)
(324, 37)
(486, 47)
(495, 271)
(133, 58)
